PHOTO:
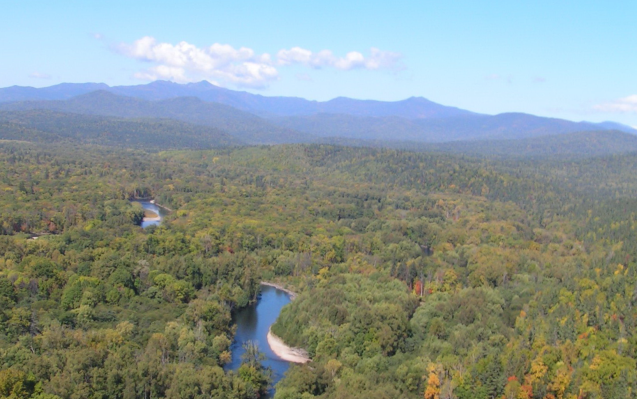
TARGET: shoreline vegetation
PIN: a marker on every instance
(150, 215)
(161, 206)
(285, 352)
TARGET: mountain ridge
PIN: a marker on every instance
(471, 127)
(413, 107)
(244, 126)
(257, 119)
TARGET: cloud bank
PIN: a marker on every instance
(377, 59)
(222, 63)
(623, 105)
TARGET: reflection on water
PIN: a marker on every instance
(152, 207)
(253, 323)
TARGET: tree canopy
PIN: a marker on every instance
(418, 274)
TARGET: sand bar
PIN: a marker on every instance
(150, 214)
(289, 354)
(293, 355)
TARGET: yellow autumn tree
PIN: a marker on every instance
(433, 383)
(561, 381)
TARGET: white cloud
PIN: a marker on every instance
(377, 59)
(626, 104)
(185, 62)
(38, 75)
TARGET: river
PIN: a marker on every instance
(253, 323)
(152, 207)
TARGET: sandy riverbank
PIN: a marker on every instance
(152, 201)
(293, 355)
(292, 294)
(161, 206)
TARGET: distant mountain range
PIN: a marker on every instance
(415, 107)
(242, 125)
(63, 91)
(235, 117)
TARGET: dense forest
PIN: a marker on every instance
(419, 274)
(150, 134)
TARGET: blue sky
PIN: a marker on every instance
(570, 59)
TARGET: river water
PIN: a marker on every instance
(152, 207)
(253, 323)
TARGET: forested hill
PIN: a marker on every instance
(242, 125)
(150, 134)
(163, 134)
(475, 127)
(569, 145)
(579, 144)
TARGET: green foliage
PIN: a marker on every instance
(489, 278)
(150, 134)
